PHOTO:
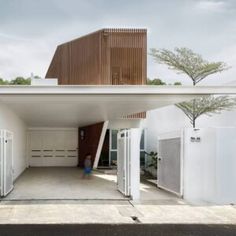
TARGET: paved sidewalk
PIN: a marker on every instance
(112, 212)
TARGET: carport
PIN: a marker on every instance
(64, 109)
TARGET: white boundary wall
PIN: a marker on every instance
(210, 165)
(10, 121)
(170, 118)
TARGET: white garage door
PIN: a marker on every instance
(53, 147)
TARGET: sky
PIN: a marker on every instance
(30, 30)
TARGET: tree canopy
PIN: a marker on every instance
(157, 81)
(17, 81)
(3, 82)
(208, 105)
(185, 61)
(20, 81)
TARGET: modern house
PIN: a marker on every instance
(105, 57)
(98, 107)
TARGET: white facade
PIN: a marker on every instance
(209, 174)
(44, 82)
(209, 166)
(171, 118)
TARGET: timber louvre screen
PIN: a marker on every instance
(89, 59)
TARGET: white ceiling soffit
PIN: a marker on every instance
(72, 106)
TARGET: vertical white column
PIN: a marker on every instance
(135, 135)
(100, 144)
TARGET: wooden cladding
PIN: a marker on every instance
(108, 56)
(126, 66)
(140, 115)
(89, 137)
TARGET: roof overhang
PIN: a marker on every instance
(56, 106)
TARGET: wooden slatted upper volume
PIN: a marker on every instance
(107, 56)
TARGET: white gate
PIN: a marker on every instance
(123, 162)
(128, 162)
(169, 172)
(6, 162)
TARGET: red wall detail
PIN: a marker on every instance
(89, 137)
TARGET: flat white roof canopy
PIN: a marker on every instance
(73, 106)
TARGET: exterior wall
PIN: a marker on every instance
(10, 121)
(124, 124)
(171, 118)
(209, 166)
(90, 141)
(125, 56)
(77, 62)
(108, 56)
(44, 82)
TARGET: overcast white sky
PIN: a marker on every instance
(30, 30)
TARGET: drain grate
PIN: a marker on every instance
(135, 219)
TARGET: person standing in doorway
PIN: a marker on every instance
(87, 166)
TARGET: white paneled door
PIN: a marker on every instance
(53, 147)
(6, 162)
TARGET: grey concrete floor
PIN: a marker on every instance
(155, 207)
(63, 183)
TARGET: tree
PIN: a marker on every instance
(185, 61)
(208, 105)
(152, 162)
(3, 82)
(20, 81)
(159, 82)
(155, 82)
(177, 83)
